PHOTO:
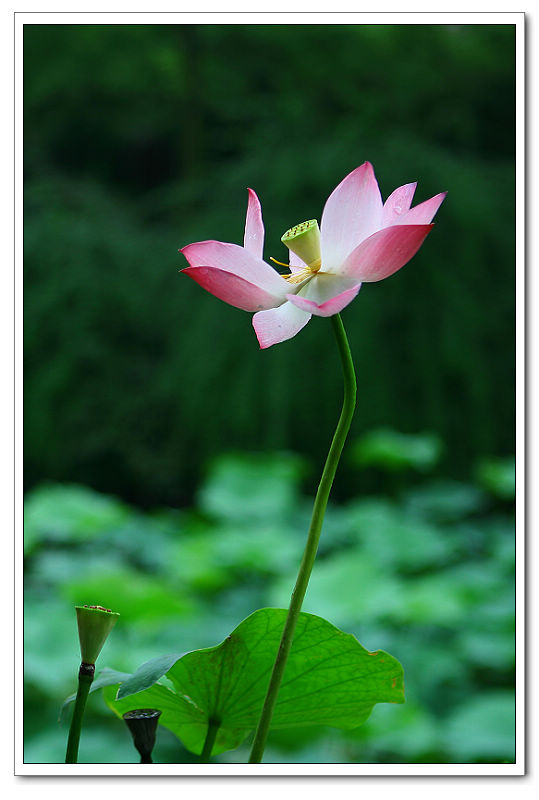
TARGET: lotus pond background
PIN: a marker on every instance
(170, 464)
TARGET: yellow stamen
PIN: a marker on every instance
(280, 263)
(294, 277)
(299, 277)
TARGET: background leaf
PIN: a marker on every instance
(489, 722)
(252, 488)
(69, 513)
(391, 450)
(498, 476)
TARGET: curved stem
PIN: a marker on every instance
(213, 727)
(313, 537)
(86, 677)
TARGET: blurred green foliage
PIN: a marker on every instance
(426, 573)
(397, 451)
(142, 138)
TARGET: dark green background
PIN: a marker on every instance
(170, 464)
(140, 139)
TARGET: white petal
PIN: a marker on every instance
(279, 324)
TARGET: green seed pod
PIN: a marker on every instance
(95, 623)
(304, 241)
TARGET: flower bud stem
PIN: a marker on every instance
(313, 537)
(86, 677)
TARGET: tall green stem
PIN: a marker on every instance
(313, 537)
(86, 677)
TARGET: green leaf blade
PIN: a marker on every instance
(330, 679)
(147, 674)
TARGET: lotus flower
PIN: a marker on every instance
(360, 239)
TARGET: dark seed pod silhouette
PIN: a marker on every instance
(142, 723)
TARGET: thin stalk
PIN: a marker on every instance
(213, 727)
(313, 537)
(86, 677)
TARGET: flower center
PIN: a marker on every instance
(295, 277)
(299, 276)
(304, 241)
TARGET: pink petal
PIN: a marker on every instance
(423, 213)
(385, 252)
(397, 204)
(352, 212)
(232, 289)
(239, 261)
(253, 239)
(326, 295)
(279, 324)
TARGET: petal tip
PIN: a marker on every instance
(253, 195)
(366, 166)
(261, 344)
